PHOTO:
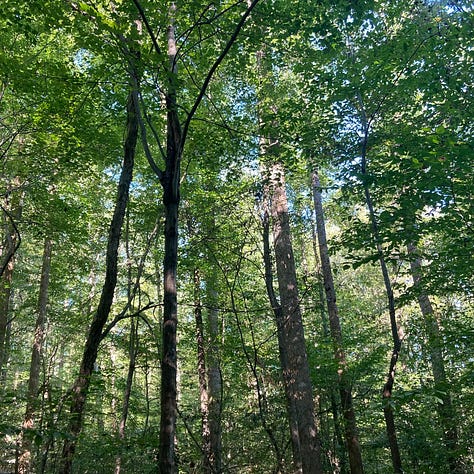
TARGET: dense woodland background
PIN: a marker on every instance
(252, 119)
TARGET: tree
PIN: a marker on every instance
(25, 461)
(352, 441)
(95, 334)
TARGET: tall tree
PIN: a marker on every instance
(25, 454)
(94, 336)
(170, 179)
(445, 406)
(296, 373)
(345, 391)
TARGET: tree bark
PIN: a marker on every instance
(24, 461)
(445, 407)
(282, 343)
(132, 357)
(297, 372)
(396, 340)
(201, 367)
(12, 211)
(214, 378)
(396, 344)
(338, 458)
(94, 337)
(171, 197)
(345, 391)
(170, 181)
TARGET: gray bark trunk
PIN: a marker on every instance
(282, 343)
(297, 372)
(32, 402)
(345, 391)
(201, 368)
(214, 379)
(445, 407)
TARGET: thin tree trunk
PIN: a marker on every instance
(32, 402)
(81, 384)
(170, 182)
(345, 391)
(201, 367)
(214, 379)
(12, 211)
(6, 292)
(132, 357)
(396, 340)
(445, 407)
(397, 344)
(298, 374)
(338, 458)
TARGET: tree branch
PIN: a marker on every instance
(214, 67)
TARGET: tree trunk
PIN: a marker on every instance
(397, 343)
(132, 354)
(282, 343)
(445, 407)
(170, 182)
(25, 444)
(214, 379)
(6, 292)
(94, 337)
(345, 391)
(297, 372)
(338, 458)
(13, 204)
(201, 367)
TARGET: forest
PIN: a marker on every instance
(237, 236)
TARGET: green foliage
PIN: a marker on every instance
(401, 69)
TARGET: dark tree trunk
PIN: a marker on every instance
(445, 408)
(32, 402)
(345, 391)
(94, 337)
(170, 182)
(11, 212)
(397, 343)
